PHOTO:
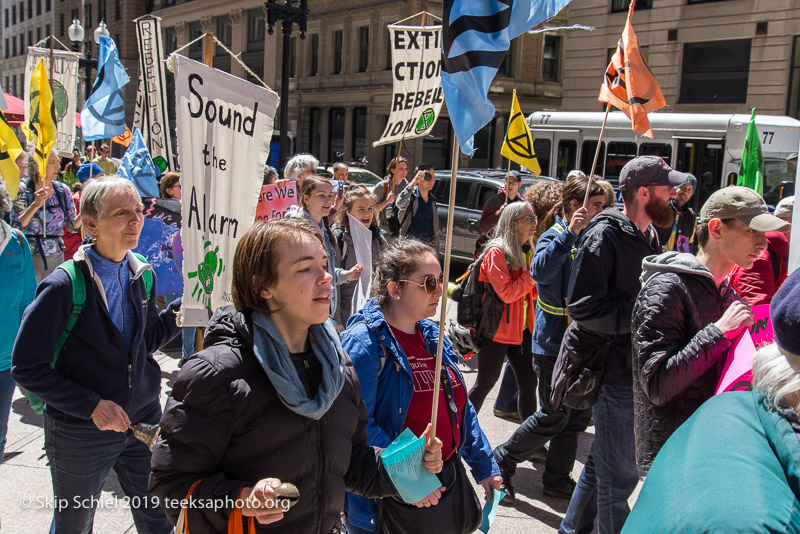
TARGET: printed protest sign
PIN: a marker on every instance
(65, 89)
(150, 114)
(416, 82)
(761, 331)
(160, 243)
(737, 374)
(275, 200)
(224, 128)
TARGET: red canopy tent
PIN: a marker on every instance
(15, 111)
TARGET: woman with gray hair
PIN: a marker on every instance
(734, 466)
(42, 209)
(506, 321)
(104, 377)
(17, 287)
(299, 167)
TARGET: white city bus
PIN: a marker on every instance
(707, 145)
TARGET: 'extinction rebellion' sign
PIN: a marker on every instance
(224, 130)
(417, 82)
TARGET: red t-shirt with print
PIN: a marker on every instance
(423, 367)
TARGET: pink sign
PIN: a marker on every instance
(737, 375)
(761, 331)
(275, 200)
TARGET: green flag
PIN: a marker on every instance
(751, 168)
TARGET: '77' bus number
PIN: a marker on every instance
(768, 137)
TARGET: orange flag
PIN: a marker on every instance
(123, 139)
(628, 83)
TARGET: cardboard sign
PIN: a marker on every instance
(275, 200)
(737, 375)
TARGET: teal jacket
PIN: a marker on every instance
(17, 288)
(733, 467)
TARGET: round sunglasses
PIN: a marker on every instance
(429, 284)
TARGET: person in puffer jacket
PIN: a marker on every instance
(687, 314)
(504, 327)
(272, 398)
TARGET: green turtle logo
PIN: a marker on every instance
(210, 267)
(425, 121)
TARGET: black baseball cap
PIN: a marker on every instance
(649, 170)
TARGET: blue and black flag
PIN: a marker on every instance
(475, 39)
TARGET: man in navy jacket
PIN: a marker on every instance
(105, 377)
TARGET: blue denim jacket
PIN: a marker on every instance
(550, 269)
(386, 386)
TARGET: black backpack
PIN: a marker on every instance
(472, 295)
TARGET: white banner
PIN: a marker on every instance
(416, 82)
(224, 129)
(65, 91)
(150, 114)
(362, 244)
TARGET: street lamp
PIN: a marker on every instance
(289, 15)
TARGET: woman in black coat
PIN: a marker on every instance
(273, 398)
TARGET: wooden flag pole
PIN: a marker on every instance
(596, 155)
(208, 49)
(446, 277)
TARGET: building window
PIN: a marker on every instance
(47, 5)
(13, 14)
(38, 7)
(30, 9)
(195, 31)
(170, 40)
(38, 34)
(715, 71)
(359, 133)
(21, 12)
(88, 19)
(7, 21)
(793, 106)
(47, 29)
(6, 55)
(363, 48)
(505, 65)
(119, 10)
(336, 134)
(314, 59)
(60, 24)
(101, 10)
(624, 5)
(13, 47)
(30, 37)
(551, 58)
(315, 131)
(292, 56)
(255, 29)
(389, 51)
(21, 43)
(224, 32)
(337, 51)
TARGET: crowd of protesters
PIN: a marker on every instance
(621, 317)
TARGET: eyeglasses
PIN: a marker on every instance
(429, 284)
(530, 218)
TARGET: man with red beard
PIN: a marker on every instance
(687, 315)
(603, 287)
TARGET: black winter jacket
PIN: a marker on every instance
(224, 423)
(603, 286)
(679, 352)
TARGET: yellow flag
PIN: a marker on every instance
(10, 150)
(41, 127)
(518, 144)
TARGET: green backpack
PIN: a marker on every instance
(78, 280)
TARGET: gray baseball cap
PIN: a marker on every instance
(744, 204)
(649, 170)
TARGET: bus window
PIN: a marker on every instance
(662, 150)
(588, 149)
(619, 153)
(567, 155)
(541, 147)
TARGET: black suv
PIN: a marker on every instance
(473, 188)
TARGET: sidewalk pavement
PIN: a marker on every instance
(26, 491)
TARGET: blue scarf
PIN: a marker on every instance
(274, 356)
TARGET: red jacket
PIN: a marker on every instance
(515, 289)
(757, 285)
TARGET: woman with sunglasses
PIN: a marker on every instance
(393, 347)
(506, 319)
(416, 207)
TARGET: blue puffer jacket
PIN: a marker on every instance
(386, 386)
(550, 268)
